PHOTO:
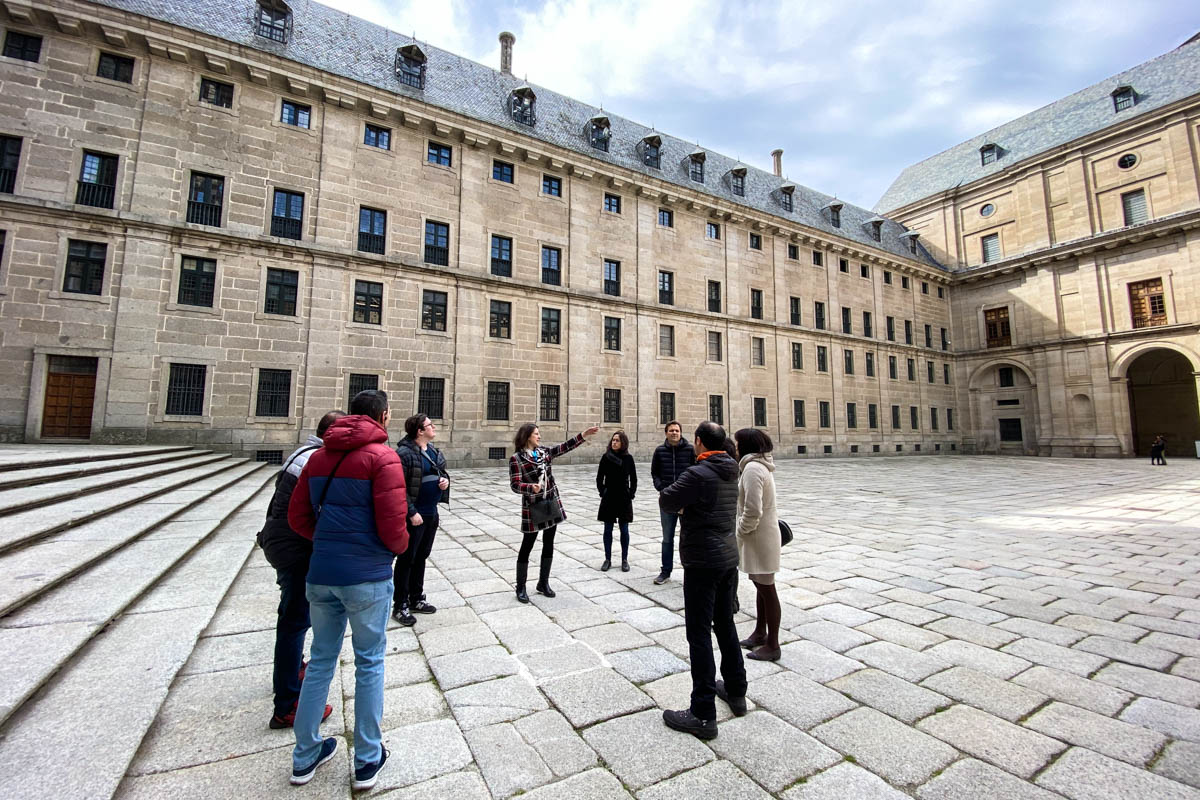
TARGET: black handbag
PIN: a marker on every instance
(545, 511)
(785, 532)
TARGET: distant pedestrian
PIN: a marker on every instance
(351, 501)
(288, 552)
(758, 538)
(541, 508)
(616, 481)
(428, 484)
(670, 460)
(1157, 448)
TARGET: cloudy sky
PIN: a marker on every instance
(853, 91)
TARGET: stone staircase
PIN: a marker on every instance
(114, 560)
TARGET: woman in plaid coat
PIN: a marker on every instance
(529, 476)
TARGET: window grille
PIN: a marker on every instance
(97, 185)
(760, 412)
(206, 197)
(666, 340)
(612, 405)
(716, 409)
(798, 414)
(185, 390)
(714, 296)
(274, 393)
(431, 393)
(548, 402)
(666, 407)
(359, 383)
(274, 457)
(496, 454)
(715, 350)
(497, 401)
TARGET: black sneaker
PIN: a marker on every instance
(365, 777)
(688, 722)
(662, 578)
(421, 607)
(303, 776)
(736, 704)
(402, 615)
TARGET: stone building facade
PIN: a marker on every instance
(219, 222)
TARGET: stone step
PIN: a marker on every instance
(47, 562)
(113, 640)
(39, 474)
(24, 456)
(25, 498)
(24, 527)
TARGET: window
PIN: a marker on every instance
(872, 416)
(612, 203)
(696, 169)
(502, 171)
(908, 331)
(1004, 376)
(924, 287)
(864, 271)
(357, 382)
(914, 420)
(835, 216)
(712, 230)
(755, 241)
(887, 277)
(206, 196)
(612, 277)
(25, 46)
(666, 407)
(890, 325)
(760, 412)
(280, 296)
(945, 339)
(548, 402)
(666, 340)
(10, 158)
(819, 315)
(185, 390)
(877, 231)
(823, 413)
(197, 280)
(274, 393)
(756, 304)
(666, 218)
(716, 408)
(1010, 430)
(892, 373)
(941, 292)
(869, 358)
(496, 454)
(714, 296)
(1148, 304)
(912, 369)
(409, 66)
(433, 310)
(868, 331)
(822, 358)
(437, 243)
(988, 154)
(848, 362)
(273, 21)
(372, 230)
(522, 106)
(844, 265)
(368, 302)
(216, 93)
(851, 415)
(758, 352)
(295, 114)
(115, 68)
(793, 252)
(612, 405)
(375, 136)
(794, 310)
(929, 371)
(1127, 161)
(846, 326)
(502, 256)
(612, 333)
(97, 180)
(431, 394)
(929, 336)
(439, 154)
(497, 401)
(552, 186)
(287, 214)
(818, 258)
(990, 245)
(785, 199)
(1133, 206)
(652, 152)
(500, 319)
(666, 288)
(84, 273)
(950, 421)
(737, 184)
(599, 133)
(714, 347)
(551, 326)
(903, 281)
(896, 418)
(995, 323)
(946, 374)
(1123, 97)
(797, 413)
(797, 355)
(551, 266)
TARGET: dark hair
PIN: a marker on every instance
(711, 435)
(673, 422)
(327, 420)
(730, 448)
(413, 425)
(623, 439)
(523, 434)
(371, 403)
(752, 440)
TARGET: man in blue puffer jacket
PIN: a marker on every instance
(351, 501)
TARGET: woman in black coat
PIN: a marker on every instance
(616, 481)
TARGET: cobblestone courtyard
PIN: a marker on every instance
(957, 627)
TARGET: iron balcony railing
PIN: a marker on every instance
(96, 195)
(285, 227)
(204, 213)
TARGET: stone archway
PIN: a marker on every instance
(1004, 408)
(1162, 399)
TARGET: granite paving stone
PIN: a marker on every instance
(1183, 645)
(1069, 688)
(641, 750)
(1093, 626)
(455, 639)
(893, 696)
(991, 739)
(1176, 721)
(556, 661)
(648, 620)
(509, 765)
(966, 654)
(903, 634)
(1081, 774)
(838, 638)
(1031, 628)
(969, 778)
(1112, 738)
(646, 664)
(1067, 659)
(913, 615)
(842, 782)
(485, 663)
(1149, 683)
(1002, 698)
(798, 700)
(1187, 667)
(599, 694)
(595, 784)
(896, 660)
(771, 751)
(441, 747)
(715, 779)
(558, 744)
(1180, 762)
(493, 701)
(465, 785)
(991, 636)
(896, 752)
(816, 662)
(675, 692)
(531, 638)
(612, 637)
(1129, 653)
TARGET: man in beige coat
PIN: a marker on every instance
(758, 538)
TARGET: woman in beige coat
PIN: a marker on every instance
(758, 538)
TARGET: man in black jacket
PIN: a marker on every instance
(671, 459)
(706, 497)
(289, 552)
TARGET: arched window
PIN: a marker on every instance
(273, 20)
(599, 132)
(521, 104)
(651, 147)
(410, 66)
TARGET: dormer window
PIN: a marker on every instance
(875, 226)
(599, 132)
(651, 151)
(988, 154)
(1123, 97)
(910, 239)
(835, 213)
(273, 20)
(521, 105)
(410, 66)
(785, 196)
(737, 181)
(696, 166)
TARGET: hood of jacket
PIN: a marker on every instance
(354, 431)
(725, 467)
(762, 458)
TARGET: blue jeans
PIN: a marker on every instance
(366, 606)
(608, 526)
(668, 540)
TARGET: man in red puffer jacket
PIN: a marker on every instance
(351, 501)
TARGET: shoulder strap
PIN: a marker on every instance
(296, 455)
(328, 482)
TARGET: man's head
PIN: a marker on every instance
(372, 403)
(674, 432)
(327, 420)
(419, 425)
(710, 436)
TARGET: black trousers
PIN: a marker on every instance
(529, 538)
(408, 577)
(708, 596)
(290, 627)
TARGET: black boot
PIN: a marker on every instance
(543, 584)
(522, 572)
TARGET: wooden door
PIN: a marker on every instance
(70, 393)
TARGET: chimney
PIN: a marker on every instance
(507, 40)
(777, 154)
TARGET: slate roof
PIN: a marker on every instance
(353, 48)
(1159, 82)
